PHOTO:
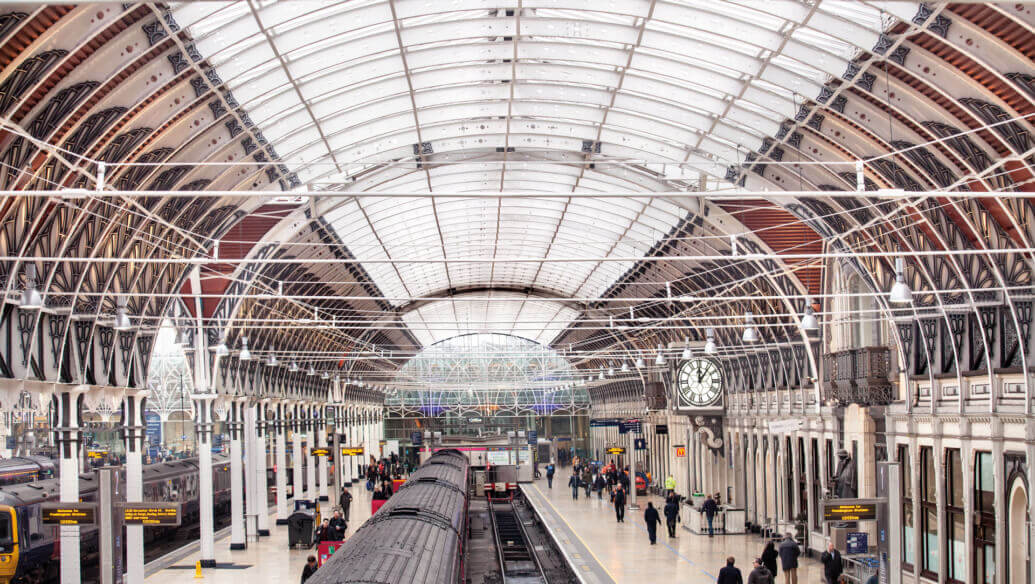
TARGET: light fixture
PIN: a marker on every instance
(31, 299)
(122, 322)
(601, 375)
(271, 360)
(181, 338)
(639, 363)
(325, 375)
(686, 350)
(900, 292)
(611, 372)
(750, 334)
(661, 357)
(709, 345)
(625, 366)
(293, 367)
(221, 349)
(311, 371)
(809, 322)
(245, 354)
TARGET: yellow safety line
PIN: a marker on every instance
(575, 532)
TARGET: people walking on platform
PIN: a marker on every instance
(672, 514)
(831, 560)
(769, 556)
(789, 552)
(325, 532)
(587, 480)
(309, 569)
(619, 501)
(549, 475)
(338, 526)
(573, 482)
(345, 502)
(652, 519)
(760, 574)
(599, 484)
(730, 574)
(710, 509)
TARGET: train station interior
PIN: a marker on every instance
(517, 292)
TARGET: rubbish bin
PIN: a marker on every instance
(301, 528)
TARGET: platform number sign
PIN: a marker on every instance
(699, 383)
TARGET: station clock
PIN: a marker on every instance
(699, 382)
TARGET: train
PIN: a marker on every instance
(29, 549)
(26, 469)
(417, 537)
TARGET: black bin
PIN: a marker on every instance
(301, 528)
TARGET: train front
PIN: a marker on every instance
(8, 544)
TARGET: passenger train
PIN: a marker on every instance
(29, 549)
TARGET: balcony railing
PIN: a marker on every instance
(858, 376)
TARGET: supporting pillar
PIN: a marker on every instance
(280, 427)
(251, 505)
(321, 464)
(203, 427)
(310, 467)
(133, 423)
(296, 453)
(67, 408)
(236, 426)
(261, 486)
(348, 466)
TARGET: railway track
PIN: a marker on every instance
(518, 561)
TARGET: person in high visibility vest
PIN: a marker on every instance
(670, 485)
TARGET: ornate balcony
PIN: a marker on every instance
(858, 376)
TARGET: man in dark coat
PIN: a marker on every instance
(710, 509)
(760, 574)
(338, 526)
(671, 514)
(345, 501)
(789, 552)
(831, 564)
(309, 569)
(728, 574)
(620, 504)
(652, 519)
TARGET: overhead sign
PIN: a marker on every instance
(320, 452)
(850, 510)
(603, 423)
(640, 444)
(634, 426)
(784, 426)
(96, 454)
(68, 513)
(151, 513)
(349, 451)
(416, 438)
(153, 427)
(680, 451)
(660, 429)
(616, 450)
(533, 437)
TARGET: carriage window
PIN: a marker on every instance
(5, 528)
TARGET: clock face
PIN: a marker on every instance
(699, 382)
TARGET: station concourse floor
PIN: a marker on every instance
(267, 561)
(623, 552)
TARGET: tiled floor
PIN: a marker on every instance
(625, 553)
(268, 561)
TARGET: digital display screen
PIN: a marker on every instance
(68, 513)
(151, 513)
(835, 511)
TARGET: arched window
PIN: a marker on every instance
(864, 321)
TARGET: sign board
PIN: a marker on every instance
(68, 513)
(497, 457)
(96, 454)
(351, 451)
(784, 426)
(680, 451)
(416, 438)
(533, 437)
(634, 426)
(616, 450)
(603, 423)
(856, 542)
(660, 429)
(320, 452)
(640, 444)
(153, 427)
(849, 510)
(151, 513)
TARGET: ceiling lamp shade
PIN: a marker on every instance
(611, 372)
(311, 371)
(221, 349)
(639, 363)
(245, 355)
(293, 367)
(325, 375)
(661, 357)
(30, 298)
(709, 346)
(601, 375)
(686, 350)
(271, 361)
(809, 322)
(750, 334)
(625, 366)
(122, 322)
(900, 292)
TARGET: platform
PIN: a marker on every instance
(605, 551)
(267, 561)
